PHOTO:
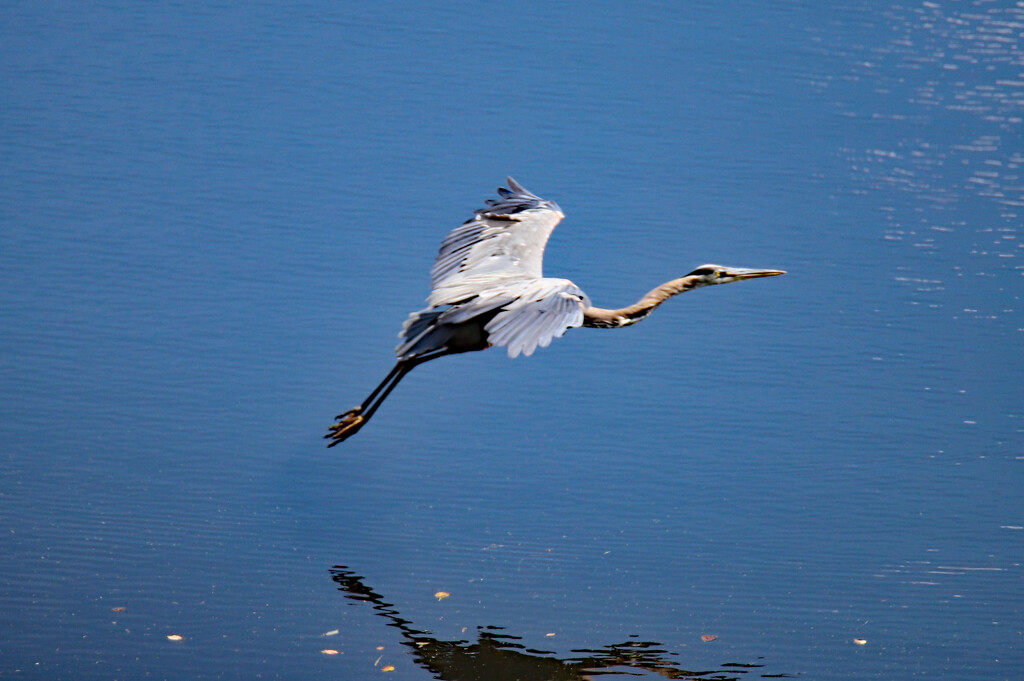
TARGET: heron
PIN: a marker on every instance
(488, 289)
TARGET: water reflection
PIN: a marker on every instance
(497, 655)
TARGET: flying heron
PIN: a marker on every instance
(487, 288)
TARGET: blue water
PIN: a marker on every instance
(215, 216)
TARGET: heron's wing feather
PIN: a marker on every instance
(543, 310)
(504, 242)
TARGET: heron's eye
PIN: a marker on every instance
(720, 273)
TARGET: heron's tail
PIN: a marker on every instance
(418, 333)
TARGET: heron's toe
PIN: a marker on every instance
(351, 412)
(347, 425)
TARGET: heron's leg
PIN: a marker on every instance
(369, 399)
(354, 419)
(405, 368)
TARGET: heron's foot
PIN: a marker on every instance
(348, 423)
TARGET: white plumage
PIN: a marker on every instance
(491, 268)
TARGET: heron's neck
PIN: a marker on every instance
(600, 318)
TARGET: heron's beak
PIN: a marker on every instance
(741, 274)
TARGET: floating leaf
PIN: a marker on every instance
(332, 632)
(441, 595)
(387, 668)
(860, 641)
(329, 651)
(175, 637)
(707, 637)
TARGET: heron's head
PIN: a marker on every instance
(717, 274)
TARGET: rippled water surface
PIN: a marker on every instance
(215, 217)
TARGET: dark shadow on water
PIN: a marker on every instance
(497, 656)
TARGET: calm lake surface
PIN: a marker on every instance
(214, 218)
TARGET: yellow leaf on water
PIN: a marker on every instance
(329, 651)
(441, 595)
(175, 637)
(860, 641)
(387, 668)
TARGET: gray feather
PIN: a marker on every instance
(504, 241)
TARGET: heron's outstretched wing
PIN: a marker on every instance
(542, 311)
(503, 243)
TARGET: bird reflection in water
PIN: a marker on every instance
(496, 656)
